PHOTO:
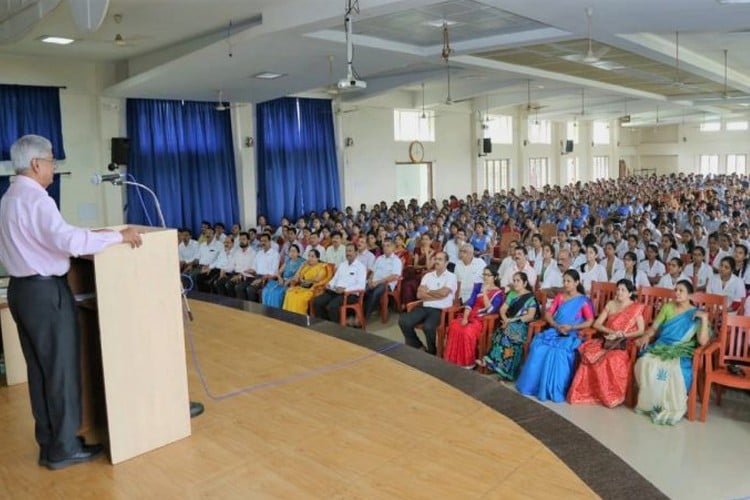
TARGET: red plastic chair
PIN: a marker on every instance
(733, 348)
(386, 298)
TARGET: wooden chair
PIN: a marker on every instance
(653, 297)
(358, 308)
(386, 298)
(601, 293)
(548, 231)
(732, 348)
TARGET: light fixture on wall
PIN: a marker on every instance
(348, 142)
(249, 142)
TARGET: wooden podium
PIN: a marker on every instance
(137, 311)
(134, 377)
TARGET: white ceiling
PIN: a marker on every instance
(185, 49)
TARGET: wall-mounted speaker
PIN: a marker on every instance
(120, 150)
(486, 145)
(568, 146)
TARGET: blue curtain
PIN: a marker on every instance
(297, 164)
(53, 189)
(183, 151)
(30, 110)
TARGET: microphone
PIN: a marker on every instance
(113, 178)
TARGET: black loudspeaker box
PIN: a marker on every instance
(487, 145)
(568, 146)
(120, 150)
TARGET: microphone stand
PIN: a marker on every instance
(196, 407)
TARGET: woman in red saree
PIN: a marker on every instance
(602, 376)
(465, 328)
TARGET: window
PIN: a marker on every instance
(710, 126)
(540, 132)
(572, 132)
(538, 172)
(600, 134)
(708, 164)
(408, 125)
(500, 129)
(736, 163)
(571, 171)
(496, 175)
(601, 167)
(737, 125)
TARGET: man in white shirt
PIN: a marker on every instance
(207, 253)
(468, 271)
(207, 281)
(436, 290)
(314, 243)
(364, 255)
(385, 272)
(243, 261)
(187, 249)
(350, 275)
(266, 265)
(336, 253)
(521, 264)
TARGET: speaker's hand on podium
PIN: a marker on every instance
(131, 236)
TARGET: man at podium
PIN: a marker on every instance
(35, 246)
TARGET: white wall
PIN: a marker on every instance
(368, 167)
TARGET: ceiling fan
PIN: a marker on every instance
(590, 56)
(726, 95)
(120, 40)
(531, 106)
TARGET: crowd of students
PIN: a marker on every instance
(684, 232)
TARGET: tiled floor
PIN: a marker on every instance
(692, 460)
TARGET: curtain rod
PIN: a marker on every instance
(64, 87)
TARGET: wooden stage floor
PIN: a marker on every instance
(295, 413)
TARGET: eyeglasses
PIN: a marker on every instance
(52, 161)
(487, 275)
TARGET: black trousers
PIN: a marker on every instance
(430, 319)
(45, 315)
(327, 304)
(372, 298)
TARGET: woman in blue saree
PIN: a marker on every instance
(664, 371)
(275, 289)
(548, 370)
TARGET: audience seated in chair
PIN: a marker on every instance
(604, 371)
(276, 287)
(464, 330)
(385, 273)
(266, 266)
(548, 369)
(309, 281)
(350, 275)
(436, 291)
(664, 370)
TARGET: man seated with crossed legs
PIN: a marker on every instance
(436, 290)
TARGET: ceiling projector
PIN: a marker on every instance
(351, 83)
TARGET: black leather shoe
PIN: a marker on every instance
(85, 454)
(43, 458)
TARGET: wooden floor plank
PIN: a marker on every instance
(372, 429)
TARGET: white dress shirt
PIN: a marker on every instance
(551, 277)
(243, 260)
(652, 271)
(367, 258)
(434, 282)
(320, 248)
(667, 281)
(188, 252)
(335, 256)
(223, 261)
(705, 273)
(589, 274)
(468, 276)
(349, 276)
(640, 280)
(208, 251)
(267, 262)
(387, 266)
(734, 288)
(507, 278)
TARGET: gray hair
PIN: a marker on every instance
(26, 149)
(467, 246)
